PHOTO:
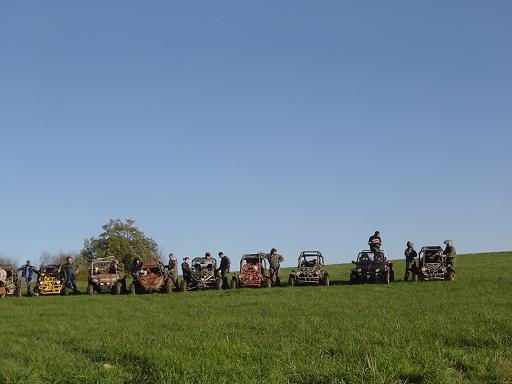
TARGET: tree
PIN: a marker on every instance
(122, 240)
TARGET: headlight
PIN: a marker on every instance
(377, 270)
(95, 281)
(358, 269)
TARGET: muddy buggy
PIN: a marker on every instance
(203, 275)
(432, 265)
(104, 280)
(150, 278)
(12, 285)
(49, 281)
(310, 270)
(372, 268)
(254, 272)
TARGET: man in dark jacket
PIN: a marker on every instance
(172, 269)
(275, 260)
(68, 269)
(27, 275)
(375, 243)
(410, 260)
(185, 270)
(225, 263)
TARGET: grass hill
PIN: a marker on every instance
(430, 332)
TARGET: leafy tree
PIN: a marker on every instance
(122, 240)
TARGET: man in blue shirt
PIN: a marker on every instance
(70, 274)
(27, 275)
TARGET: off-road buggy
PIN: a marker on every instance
(203, 275)
(432, 265)
(310, 270)
(372, 267)
(253, 272)
(105, 279)
(49, 281)
(12, 286)
(150, 278)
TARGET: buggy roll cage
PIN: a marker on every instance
(104, 262)
(368, 252)
(309, 256)
(261, 257)
(204, 262)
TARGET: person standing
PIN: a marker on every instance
(69, 271)
(410, 260)
(185, 270)
(450, 253)
(375, 243)
(275, 260)
(172, 268)
(27, 275)
(224, 266)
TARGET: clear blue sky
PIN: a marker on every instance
(245, 125)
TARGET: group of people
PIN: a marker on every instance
(70, 271)
(449, 253)
(375, 242)
(274, 258)
(29, 273)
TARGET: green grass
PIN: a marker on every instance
(430, 332)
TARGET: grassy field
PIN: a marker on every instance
(430, 332)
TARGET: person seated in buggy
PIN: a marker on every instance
(365, 258)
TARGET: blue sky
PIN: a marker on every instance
(245, 125)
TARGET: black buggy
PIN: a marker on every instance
(203, 275)
(372, 267)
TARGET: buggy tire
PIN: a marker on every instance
(268, 282)
(17, 292)
(118, 288)
(90, 289)
(168, 286)
(233, 283)
(450, 276)
(353, 278)
(391, 275)
(325, 281)
(65, 291)
(183, 285)
(131, 289)
(218, 283)
(291, 281)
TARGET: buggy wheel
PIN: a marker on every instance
(17, 292)
(353, 278)
(391, 275)
(218, 283)
(291, 281)
(90, 289)
(450, 276)
(168, 286)
(325, 281)
(233, 283)
(36, 291)
(268, 282)
(118, 288)
(131, 289)
(64, 291)
(183, 285)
